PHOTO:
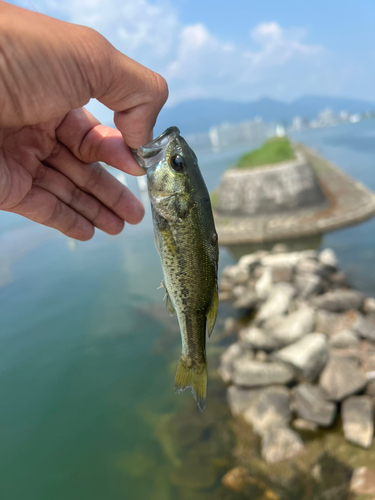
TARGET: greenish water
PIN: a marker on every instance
(87, 355)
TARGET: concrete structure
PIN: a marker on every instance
(300, 198)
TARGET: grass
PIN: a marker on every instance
(272, 151)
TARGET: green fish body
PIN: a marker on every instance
(187, 243)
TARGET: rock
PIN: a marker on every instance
(369, 305)
(257, 338)
(240, 399)
(238, 291)
(236, 478)
(249, 262)
(280, 443)
(225, 285)
(338, 280)
(294, 326)
(278, 302)
(341, 378)
(310, 405)
(307, 356)
(365, 327)
(248, 300)
(357, 418)
(289, 258)
(235, 351)
(271, 408)
(328, 258)
(261, 356)
(264, 285)
(224, 296)
(282, 273)
(339, 300)
(370, 388)
(252, 373)
(305, 425)
(236, 274)
(308, 254)
(309, 285)
(279, 248)
(326, 322)
(309, 266)
(230, 326)
(344, 339)
(363, 481)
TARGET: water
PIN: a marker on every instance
(87, 356)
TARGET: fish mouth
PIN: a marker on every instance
(153, 148)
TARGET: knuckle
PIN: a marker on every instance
(56, 213)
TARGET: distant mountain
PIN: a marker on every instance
(200, 115)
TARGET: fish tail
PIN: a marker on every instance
(193, 375)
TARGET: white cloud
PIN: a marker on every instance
(195, 62)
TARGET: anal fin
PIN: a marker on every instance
(212, 313)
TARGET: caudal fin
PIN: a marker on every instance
(193, 376)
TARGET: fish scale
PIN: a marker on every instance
(186, 240)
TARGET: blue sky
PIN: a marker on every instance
(239, 50)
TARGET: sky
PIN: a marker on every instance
(238, 50)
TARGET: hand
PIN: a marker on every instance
(50, 145)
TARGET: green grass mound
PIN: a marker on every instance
(272, 151)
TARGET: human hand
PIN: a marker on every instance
(50, 145)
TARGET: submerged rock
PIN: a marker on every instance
(307, 356)
(278, 302)
(339, 300)
(252, 373)
(294, 326)
(269, 409)
(344, 339)
(310, 405)
(363, 481)
(341, 378)
(256, 338)
(328, 258)
(357, 418)
(280, 443)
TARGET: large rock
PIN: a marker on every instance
(264, 285)
(357, 418)
(369, 305)
(256, 338)
(309, 285)
(309, 266)
(310, 405)
(282, 273)
(307, 356)
(240, 399)
(247, 300)
(343, 340)
(341, 378)
(235, 274)
(294, 326)
(252, 373)
(281, 259)
(328, 258)
(363, 481)
(365, 327)
(278, 302)
(280, 443)
(271, 408)
(235, 351)
(339, 300)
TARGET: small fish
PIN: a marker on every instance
(187, 243)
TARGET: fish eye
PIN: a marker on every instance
(177, 163)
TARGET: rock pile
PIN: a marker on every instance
(306, 356)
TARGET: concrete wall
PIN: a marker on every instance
(282, 187)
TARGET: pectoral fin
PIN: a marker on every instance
(169, 304)
(212, 313)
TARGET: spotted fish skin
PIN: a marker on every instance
(187, 243)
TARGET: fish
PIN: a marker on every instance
(187, 242)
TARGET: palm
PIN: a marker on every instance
(50, 173)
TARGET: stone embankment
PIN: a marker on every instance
(305, 357)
